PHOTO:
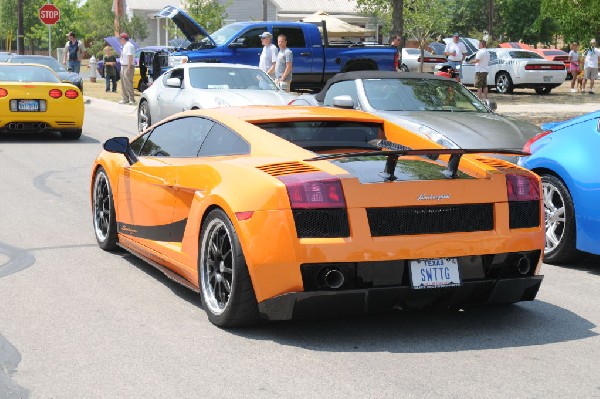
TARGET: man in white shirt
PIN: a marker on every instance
(268, 57)
(482, 67)
(127, 69)
(456, 52)
(590, 66)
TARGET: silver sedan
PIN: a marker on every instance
(207, 85)
(411, 58)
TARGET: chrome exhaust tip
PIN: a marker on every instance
(523, 265)
(332, 278)
(20, 126)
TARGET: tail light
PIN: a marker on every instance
(55, 93)
(71, 94)
(527, 146)
(522, 187)
(544, 67)
(317, 190)
(3, 92)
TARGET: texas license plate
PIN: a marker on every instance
(434, 273)
(28, 105)
(547, 79)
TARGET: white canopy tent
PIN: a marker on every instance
(336, 28)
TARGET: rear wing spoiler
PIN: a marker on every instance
(395, 151)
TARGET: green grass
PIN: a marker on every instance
(97, 90)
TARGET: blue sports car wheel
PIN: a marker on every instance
(560, 221)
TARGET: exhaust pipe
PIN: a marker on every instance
(522, 265)
(12, 126)
(332, 278)
(34, 126)
(20, 126)
(42, 125)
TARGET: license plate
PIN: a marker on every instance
(434, 273)
(28, 105)
(547, 79)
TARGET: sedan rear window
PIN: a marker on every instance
(27, 73)
(524, 55)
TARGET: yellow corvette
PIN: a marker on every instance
(33, 99)
(284, 212)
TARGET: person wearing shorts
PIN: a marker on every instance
(590, 66)
(482, 68)
(573, 65)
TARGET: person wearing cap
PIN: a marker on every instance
(456, 52)
(268, 57)
(590, 66)
(74, 50)
(127, 69)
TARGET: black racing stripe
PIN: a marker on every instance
(172, 232)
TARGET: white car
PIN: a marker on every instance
(514, 68)
(207, 85)
(411, 58)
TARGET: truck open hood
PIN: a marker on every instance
(190, 28)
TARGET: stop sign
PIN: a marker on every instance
(49, 14)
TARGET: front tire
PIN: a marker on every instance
(103, 208)
(504, 84)
(225, 285)
(144, 117)
(560, 221)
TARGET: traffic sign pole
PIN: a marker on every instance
(49, 14)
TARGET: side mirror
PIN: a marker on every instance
(343, 101)
(238, 43)
(120, 145)
(174, 82)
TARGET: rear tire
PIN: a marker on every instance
(543, 90)
(225, 285)
(71, 134)
(103, 212)
(560, 221)
(404, 68)
(504, 84)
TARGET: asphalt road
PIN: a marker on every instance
(78, 322)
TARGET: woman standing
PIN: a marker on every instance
(574, 67)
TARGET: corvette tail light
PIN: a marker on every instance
(71, 94)
(55, 93)
(317, 190)
(527, 146)
(522, 188)
(3, 92)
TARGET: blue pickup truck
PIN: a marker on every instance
(315, 59)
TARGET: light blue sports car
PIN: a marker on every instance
(567, 157)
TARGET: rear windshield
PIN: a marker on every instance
(326, 134)
(524, 55)
(27, 73)
(420, 95)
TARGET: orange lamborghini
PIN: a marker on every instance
(283, 212)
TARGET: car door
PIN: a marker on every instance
(468, 71)
(171, 100)
(249, 54)
(303, 55)
(147, 189)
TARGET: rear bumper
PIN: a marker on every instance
(329, 303)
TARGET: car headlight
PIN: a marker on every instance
(175, 60)
(437, 137)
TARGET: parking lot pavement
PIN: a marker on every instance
(559, 105)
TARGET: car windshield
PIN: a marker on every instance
(221, 36)
(48, 61)
(230, 78)
(524, 55)
(326, 134)
(420, 95)
(27, 73)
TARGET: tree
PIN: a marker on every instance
(576, 20)
(209, 14)
(424, 20)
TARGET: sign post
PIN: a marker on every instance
(49, 14)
